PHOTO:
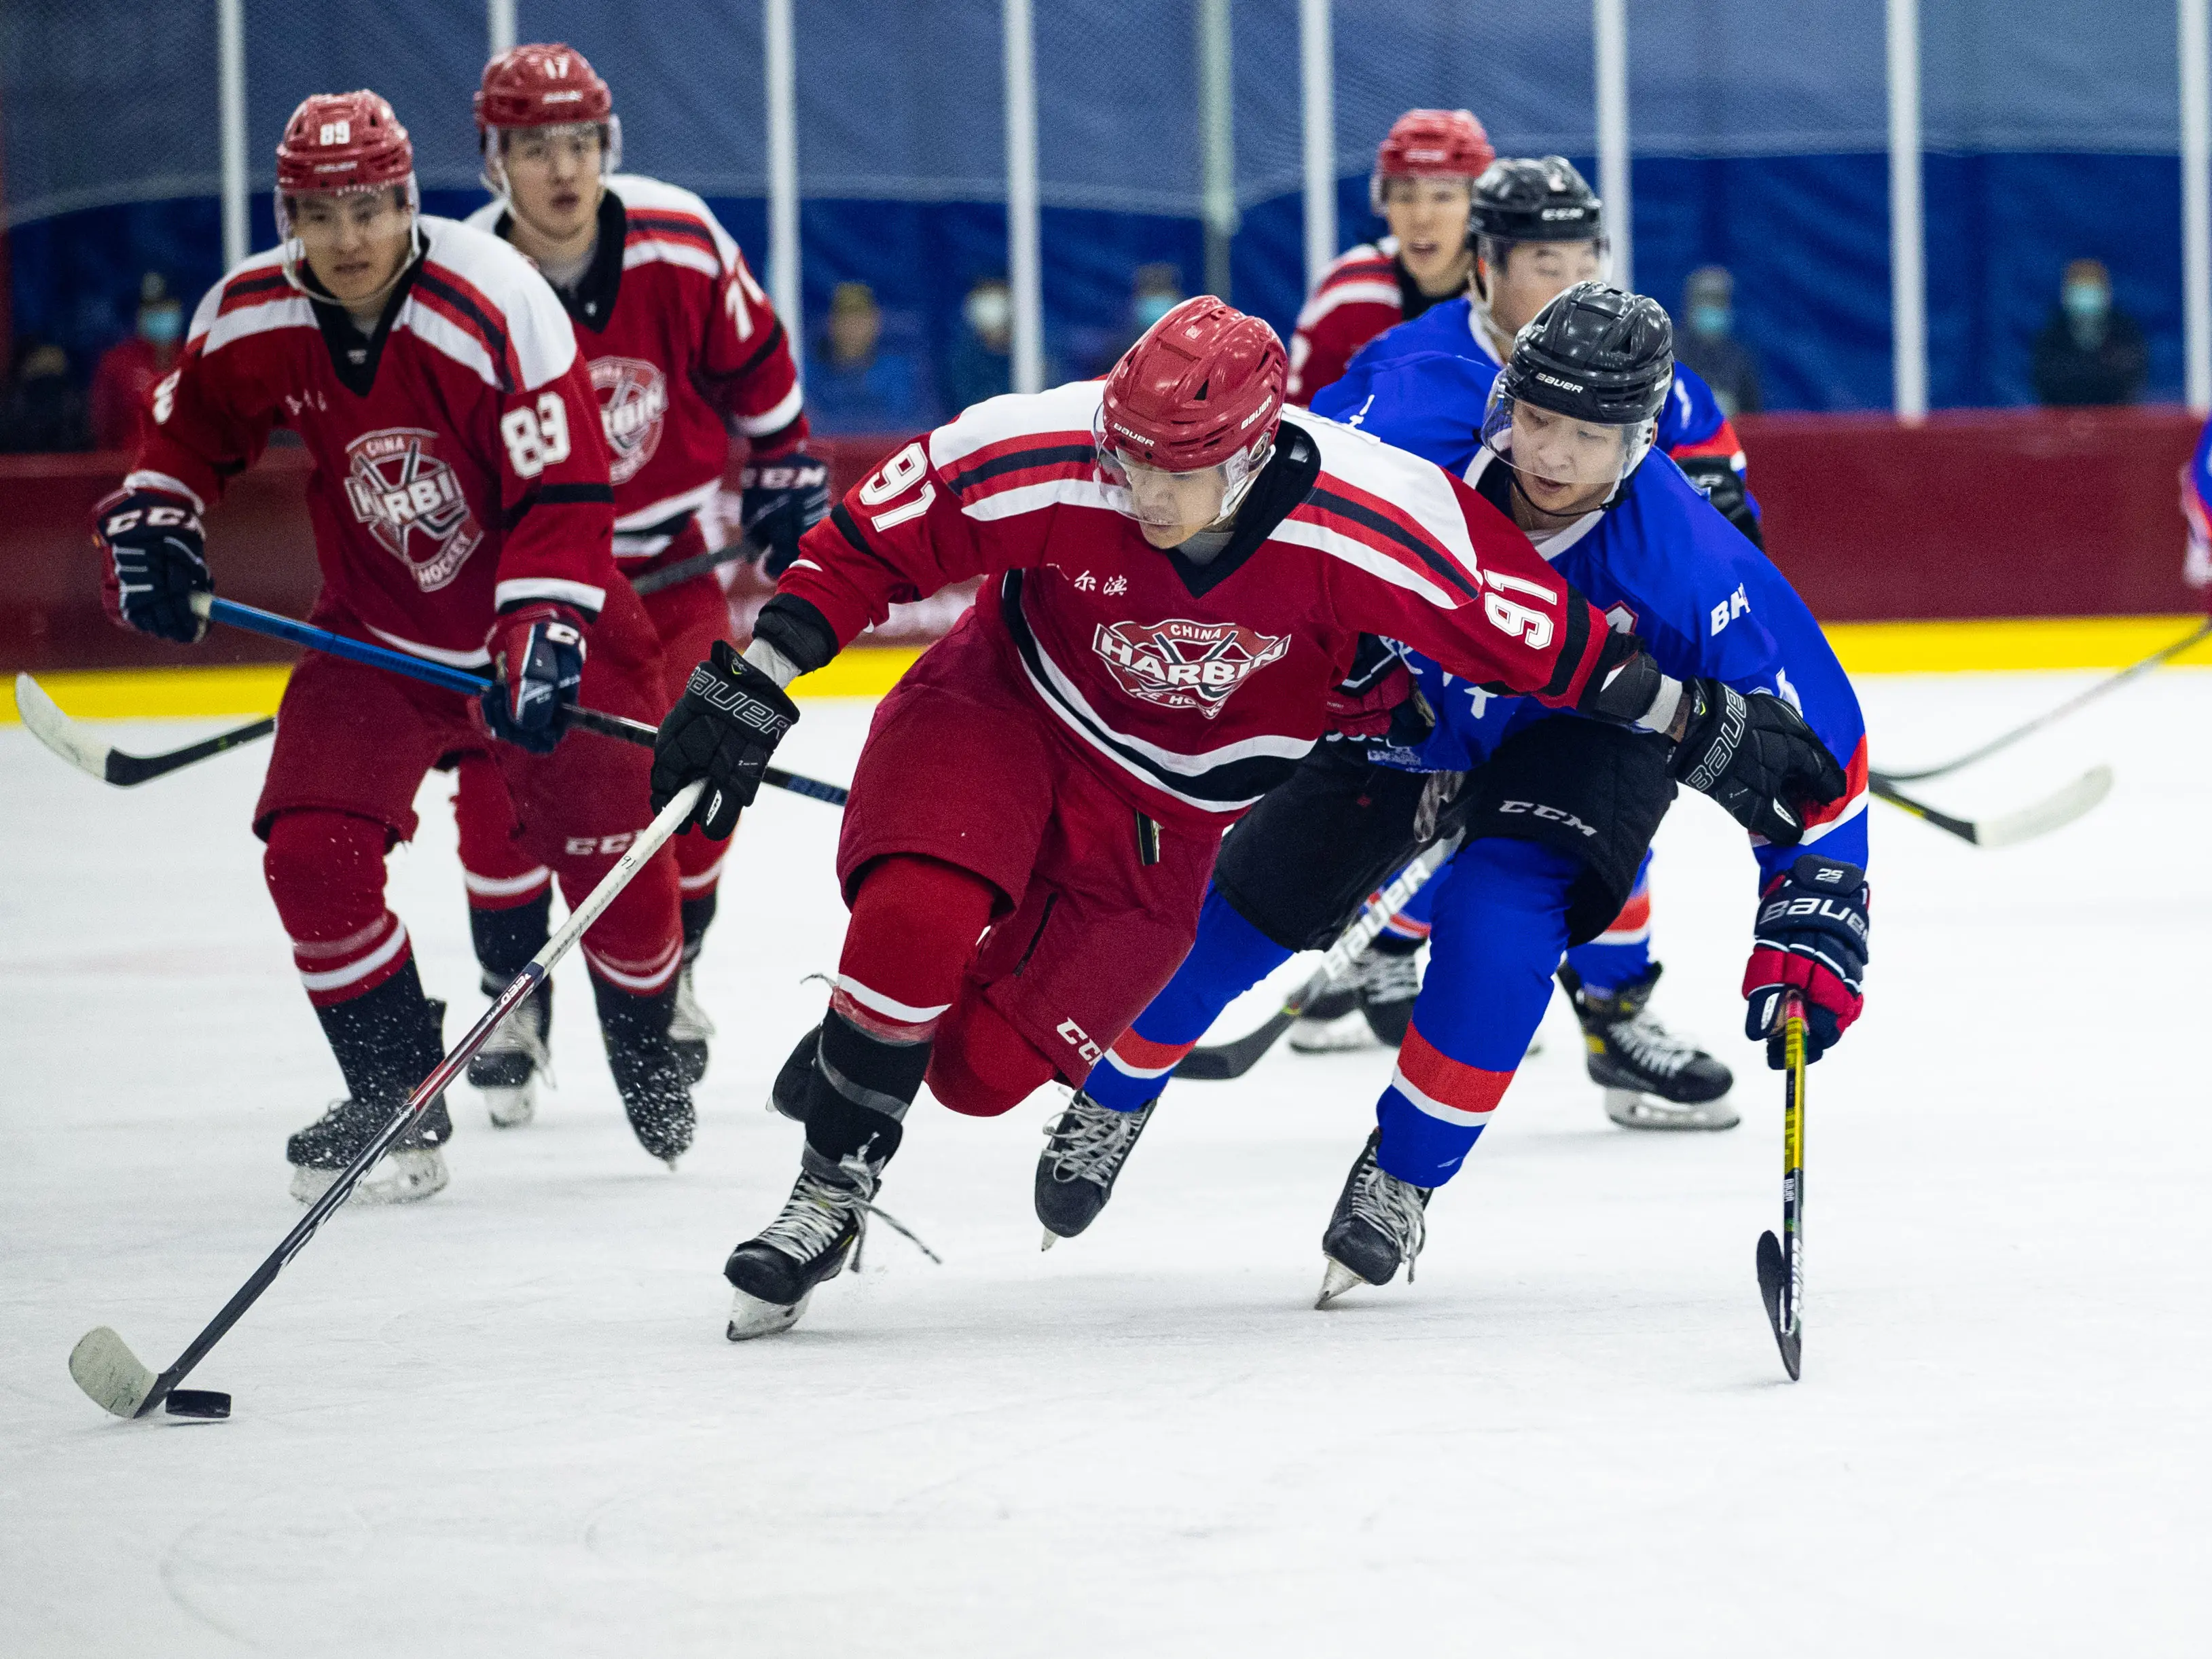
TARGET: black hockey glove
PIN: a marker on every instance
(1719, 482)
(783, 500)
(1753, 753)
(1811, 936)
(156, 561)
(538, 665)
(723, 729)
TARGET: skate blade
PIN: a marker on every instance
(1331, 1037)
(1633, 1110)
(1335, 1281)
(750, 1316)
(402, 1178)
(510, 1108)
(1051, 1238)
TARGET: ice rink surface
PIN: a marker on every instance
(506, 1421)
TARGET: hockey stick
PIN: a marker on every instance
(1782, 1261)
(697, 565)
(2165, 654)
(103, 1365)
(103, 761)
(1229, 1059)
(2039, 818)
(617, 726)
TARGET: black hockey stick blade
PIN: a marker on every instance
(1225, 1061)
(697, 565)
(46, 722)
(1774, 1289)
(2054, 811)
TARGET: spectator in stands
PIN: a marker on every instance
(2089, 352)
(1708, 343)
(42, 410)
(982, 365)
(1154, 291)
(129, 368)
(855, 383)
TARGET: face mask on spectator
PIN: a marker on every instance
(1710, 319)
(2086, 302)
(990, 310)
(1151, 307)
(162, 325)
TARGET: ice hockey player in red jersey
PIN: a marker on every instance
(685, 352)
(462, 513)
(1181, 578)
(1425, 174)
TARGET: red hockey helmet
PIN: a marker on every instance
(1431, 144)
(544, 85)
(342, 141)
(1202, 389)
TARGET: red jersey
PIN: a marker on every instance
(125, 374)
(684, 350)
(1195, 688)
(1363, 291)
(458, 465)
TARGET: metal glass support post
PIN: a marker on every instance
(1609, 32)
(781, 64)
(2197, 202)
(1217, 141)
(1317, 84)
(1024, 273)
(230, 94)
(1908, 276)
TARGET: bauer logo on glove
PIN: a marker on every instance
(1810, 936)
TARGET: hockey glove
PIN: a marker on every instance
(1811, 935)
(783, 500)
(1753, 753)
(723, 729)
(156, 561)
(538, 665)
(1719, 482)
(1380, 700)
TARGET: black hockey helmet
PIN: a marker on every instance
(1598, 355)
(1518, 199)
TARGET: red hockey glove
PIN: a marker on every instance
(1380, 699)
(783, 500)
(1811, 935)
(156, 561)
(537, 665)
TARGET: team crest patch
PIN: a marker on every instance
(633, 404)
(1185, 665)
(411, 502)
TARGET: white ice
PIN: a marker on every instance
(506, 1421)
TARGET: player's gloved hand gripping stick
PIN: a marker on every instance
(459, 679)
(103, 1365)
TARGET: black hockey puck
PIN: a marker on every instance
(197, 1402)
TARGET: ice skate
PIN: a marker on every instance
(1085, 1147)
(414, 1168)
(1379, 1221)
(506, 1069)
(1374, 1005)
(648, 1071)
(1652, 1079)
(689, 1028)
(810, 1242)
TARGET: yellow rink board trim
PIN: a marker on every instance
(245, 692)
(1905, 647)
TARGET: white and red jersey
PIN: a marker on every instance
(684, 350)
(1363, 291)
(458, 465)
(1193, 688)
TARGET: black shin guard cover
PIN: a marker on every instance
(698, 916)
(387, 1040)
(635, 1029)
(861, 1087)
(506, 939)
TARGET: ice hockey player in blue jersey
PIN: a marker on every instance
(1535, 228)
(1556, 814)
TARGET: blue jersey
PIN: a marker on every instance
(1660, 562)
(1692, 425)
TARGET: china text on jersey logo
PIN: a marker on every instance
(1180, 664)
(633, 404)
(411, 502)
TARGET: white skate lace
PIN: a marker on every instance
(817, 1211)
(689, 1022)
(1650, 1045)
(1092, 1140)
(1391, 1206)
(1387, 978)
